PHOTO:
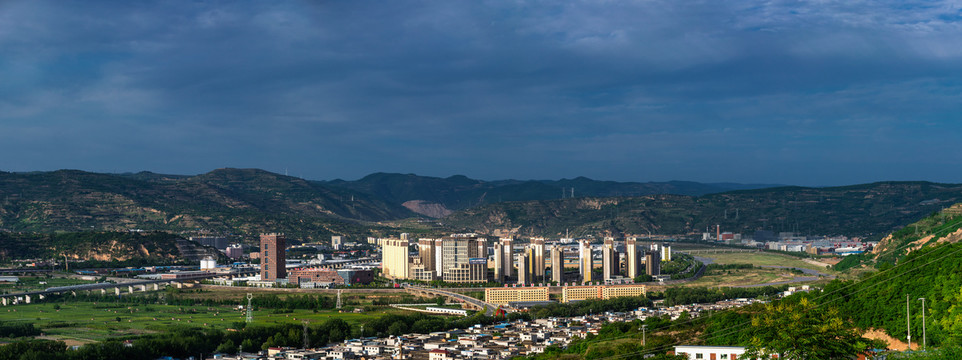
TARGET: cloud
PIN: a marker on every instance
(625, 90)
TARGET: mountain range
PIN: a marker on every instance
(250, 201)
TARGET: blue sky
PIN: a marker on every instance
(795, 92)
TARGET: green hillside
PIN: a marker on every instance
(117, 247)
(460, 192)
(862, 210)
(244, 201)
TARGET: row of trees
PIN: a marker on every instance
(184, 342)
(700, 295)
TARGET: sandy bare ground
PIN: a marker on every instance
(893, 343)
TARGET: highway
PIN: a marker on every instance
(489, 308)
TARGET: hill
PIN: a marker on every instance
(433, 196)
(118, 247)
(861, 210)
(245, 201)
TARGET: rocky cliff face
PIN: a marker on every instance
(427, 208)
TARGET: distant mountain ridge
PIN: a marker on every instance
(250, 201)
(445, 195)
(244, 201)
(868, 210)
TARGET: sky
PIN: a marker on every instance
(790, 92)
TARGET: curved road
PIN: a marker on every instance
(489, 308)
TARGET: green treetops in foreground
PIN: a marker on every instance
(800, 330)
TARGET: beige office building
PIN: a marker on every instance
(579, 293)
(503, 296)
(394, 259)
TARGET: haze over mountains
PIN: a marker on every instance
(248, 201)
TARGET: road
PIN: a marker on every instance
(489, 308)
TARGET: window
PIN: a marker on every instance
(699, 356)
(724, 356)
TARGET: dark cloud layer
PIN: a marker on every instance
(813, 93)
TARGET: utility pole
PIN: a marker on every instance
(307, 342)
(250, 309)
(643, 335)
(923, 324)
(908, 321)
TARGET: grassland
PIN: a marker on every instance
(764, 259)
(84, 322)
(78, 322)
(741, 277)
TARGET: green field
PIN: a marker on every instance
(82, 322)
(740, 277)
(763, 259)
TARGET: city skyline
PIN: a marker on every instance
(812, 94)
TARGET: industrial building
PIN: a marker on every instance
(317, 277)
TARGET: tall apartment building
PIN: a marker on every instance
(498, 262)
(634, 263)
(395, 263)
(538, 263)
(426, 252)
(507, 264)
(273, 262)
(438, 258)
(464, 259)
(585, 261)
(609, 259)
(524, 263)
(653, 263)
(666, 253)
(557, 264)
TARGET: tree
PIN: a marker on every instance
(801, 331)
(227, 347)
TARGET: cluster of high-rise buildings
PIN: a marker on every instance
(461, 258)
(464, 258)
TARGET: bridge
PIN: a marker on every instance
(467, 301)
(131, 286)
